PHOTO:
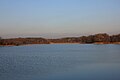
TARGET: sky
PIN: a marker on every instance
(58, 18)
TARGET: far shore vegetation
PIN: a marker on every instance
(102, 38)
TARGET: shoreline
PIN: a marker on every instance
(101, 38)
(97, 43)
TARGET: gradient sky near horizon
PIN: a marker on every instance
(58, 18)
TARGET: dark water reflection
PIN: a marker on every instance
(60, 62)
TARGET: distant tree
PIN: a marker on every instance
(115, 38)
(90, 39)
(0, 40)
(83, 39)
(102, 38)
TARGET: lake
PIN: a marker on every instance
(60, 62)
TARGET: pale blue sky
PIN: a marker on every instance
(58, 18)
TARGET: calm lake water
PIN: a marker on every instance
(60, 62)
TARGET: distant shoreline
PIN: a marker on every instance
(118, 43)
(101, 38)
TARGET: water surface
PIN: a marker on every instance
(60, 62)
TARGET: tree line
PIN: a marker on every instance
(97, 38)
